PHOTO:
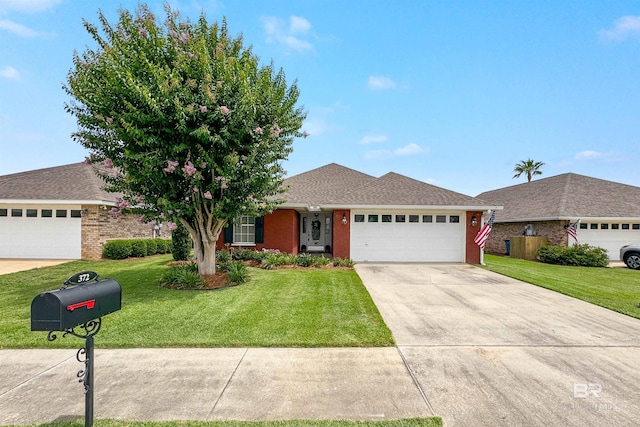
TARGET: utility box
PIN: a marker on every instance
(76, 303)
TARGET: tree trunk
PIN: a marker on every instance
(204, 245)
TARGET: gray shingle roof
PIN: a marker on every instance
(337, 185)
(566, 196)
(76, 181)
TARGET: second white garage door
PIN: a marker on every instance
(401, 236)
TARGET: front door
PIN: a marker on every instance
(315, 232)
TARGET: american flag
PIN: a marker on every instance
(483, 234)
(572, 230)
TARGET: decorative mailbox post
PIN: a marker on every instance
(77, 309)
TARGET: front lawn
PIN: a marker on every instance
(276, 308)
(617, 289)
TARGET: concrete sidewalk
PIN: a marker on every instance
(14, 265)
(38, 386)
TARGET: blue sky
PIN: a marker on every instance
(453, 93)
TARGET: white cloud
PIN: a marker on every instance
(373, 139)
(410, 150)
(17, 29)
(27, 6)
(589, 155)
(9, 72)
(298, 24)
(624, 27)
(291, 37)
(381, 83)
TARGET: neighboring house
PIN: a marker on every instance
(609, 212)
(60, 213)
(348, 214)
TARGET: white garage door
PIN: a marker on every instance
(608, 235)
(397, 236)
(51, 232)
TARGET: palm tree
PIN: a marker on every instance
(529, 167)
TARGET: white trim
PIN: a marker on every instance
(55, 202)
(570, 218)
(395, 207)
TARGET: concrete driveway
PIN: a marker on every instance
(489, 350)
(14, 265)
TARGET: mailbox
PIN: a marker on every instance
(82, 299)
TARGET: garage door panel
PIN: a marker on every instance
(27, 237)
(407, 241)
(611, 240)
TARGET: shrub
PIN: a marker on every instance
(248, 255)
(277, 259)
(237, 272)
(139, 248)
(162, 246)
(223, 256)
(343, 262)
(580, 255)
(152, 246)
(181, 243)
(183, 276)
(117, 249)
(320, 261)
(304, 260)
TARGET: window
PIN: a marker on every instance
(372, 218)
(76, 213)
(386, 218)
(414, 218)
(244, 229)
(593, 226)
(16, 212)
(400, 218)
(441, 218)
(46, 213)
(635, 227)
(454, 219)
(583, 226)
(625, 226)
(615, 226)
(61, 213)
(427, 218)
(32, 213)
(358, 218)
(604, 226)
(3, 212)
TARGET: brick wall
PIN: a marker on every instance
(341, 234)
(554, 231)
(282, 230)
(98, 227)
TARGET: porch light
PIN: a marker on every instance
(344, 219)
(474, 221)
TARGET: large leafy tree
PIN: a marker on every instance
(194, 128)
(528, 167)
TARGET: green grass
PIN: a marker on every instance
(617, 289)
(280, 308)
(408, 422)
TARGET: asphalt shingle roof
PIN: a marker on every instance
(77, 181)
(565, 196)
(337, 185)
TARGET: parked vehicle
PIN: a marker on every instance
(630, 254)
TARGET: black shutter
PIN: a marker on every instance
(228, 233)
(259, 229)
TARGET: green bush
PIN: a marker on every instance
(183, 276)
(248, 255)
(138, 248)
(162, 246)
(579, 255)
(343, 262)
(320, 261)
(223, 256)
(152, 246)
(117, 249)
(181, 243)
(237, 272)
(304, 260)
(273, 260)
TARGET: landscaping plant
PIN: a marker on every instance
(182, 119)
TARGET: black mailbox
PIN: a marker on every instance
(82, 299)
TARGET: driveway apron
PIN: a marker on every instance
(489, 350)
